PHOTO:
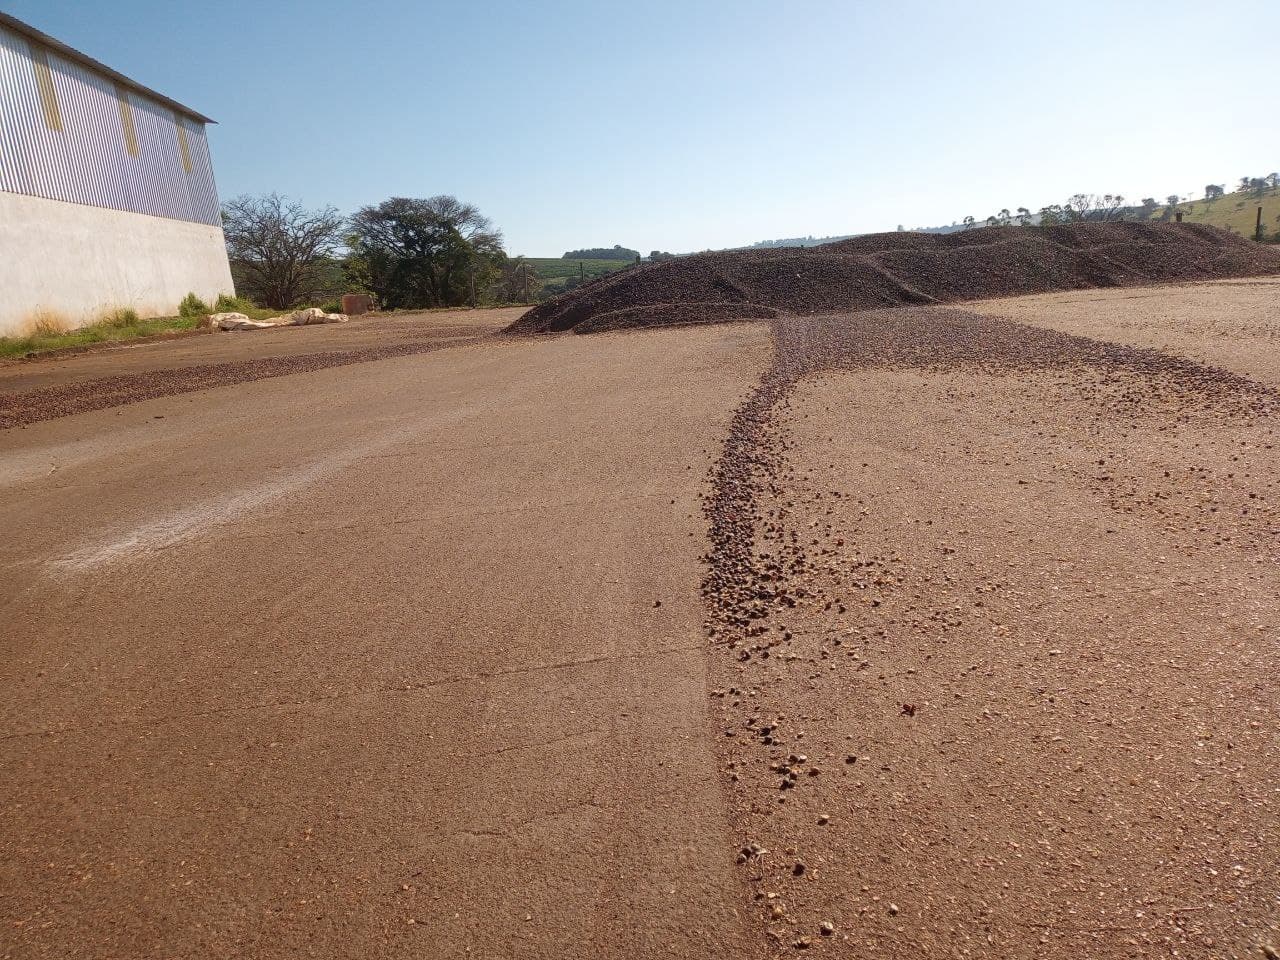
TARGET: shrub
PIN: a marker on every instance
(192, 306)
(118, 319)
(333, 307)
(226, 304)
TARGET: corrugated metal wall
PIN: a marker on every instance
(67, 133)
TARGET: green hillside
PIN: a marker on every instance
(559, 274)
(1236, 212)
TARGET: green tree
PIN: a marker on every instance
(1213, 191)
(1052, 215)
(616, 252)
(437, 252)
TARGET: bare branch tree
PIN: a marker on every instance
(283, 253)
(1092, 207)
(518, 282)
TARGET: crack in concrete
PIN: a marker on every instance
(351, 695)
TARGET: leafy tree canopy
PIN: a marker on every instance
(616, 252)
(437, 252)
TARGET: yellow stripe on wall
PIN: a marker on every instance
(44, 84)
(183, 148)
(126, 121)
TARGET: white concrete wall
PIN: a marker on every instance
(80, 262)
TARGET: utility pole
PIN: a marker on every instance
(1257, 230)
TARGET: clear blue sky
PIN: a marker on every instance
(687, 125)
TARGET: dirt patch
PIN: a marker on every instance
(103, 346)
(936, 338)
(897, 269)
(991, 603)
(1233, 324)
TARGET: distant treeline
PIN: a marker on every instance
(798, 242)
(616, 252)
(408, 252)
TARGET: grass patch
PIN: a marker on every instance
(193, 306)
(226, 304)
(558, 274)
(118, 325)
(46, 323)
(121, 319)
(555, 268)
(49, 331)
(1236, 212)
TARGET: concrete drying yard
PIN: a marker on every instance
(933, 631)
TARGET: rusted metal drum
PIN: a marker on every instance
(354, 304)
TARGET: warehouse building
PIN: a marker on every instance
(107, 197)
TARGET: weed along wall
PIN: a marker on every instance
(107, 197)
(76, 263)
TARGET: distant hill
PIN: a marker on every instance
(558, 274)
(1236, 212)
